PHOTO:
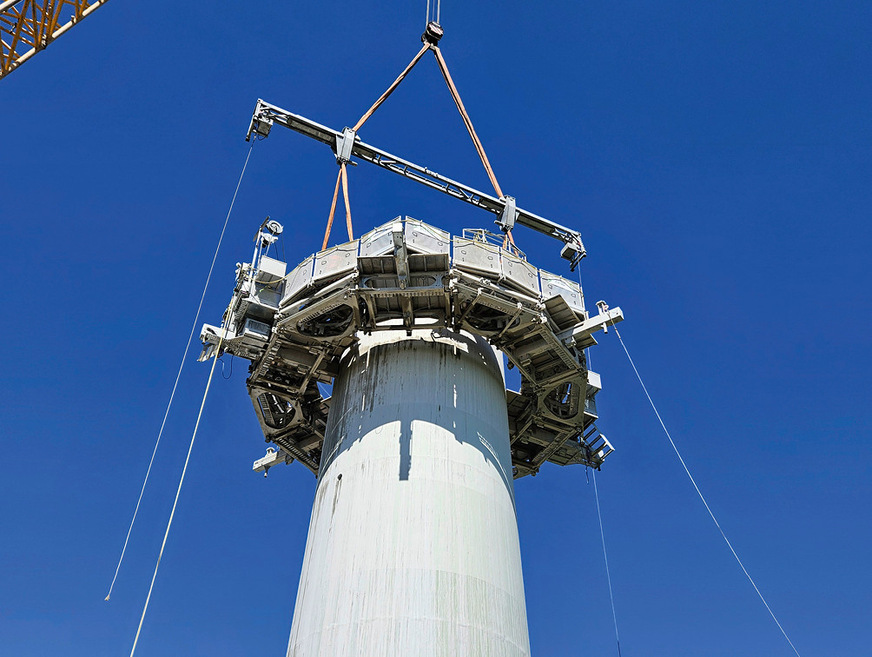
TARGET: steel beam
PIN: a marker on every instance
(266, 115)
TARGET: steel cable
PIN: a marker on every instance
(179, 373)
(606, 558)
(699, 493)
(178, 490)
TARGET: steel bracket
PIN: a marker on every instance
(507, 217)
(344, 145)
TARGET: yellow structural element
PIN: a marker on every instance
(28, 26)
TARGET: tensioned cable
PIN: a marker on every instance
(179, 489)
(402, 76)
(701, 497)
(342, 177)
(179, 373)
(455, 95)
(436, 14)
(606, 558)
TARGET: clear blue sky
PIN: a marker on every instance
(717, 158)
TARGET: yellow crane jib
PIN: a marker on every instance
(28, 26)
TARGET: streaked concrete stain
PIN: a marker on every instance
(413, 542)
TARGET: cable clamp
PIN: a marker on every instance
(260, 124)
(509, 214)
(573, 250)
(604, 310)
(344, 145)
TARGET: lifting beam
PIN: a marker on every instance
(346, 144)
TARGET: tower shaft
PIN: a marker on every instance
(413, 540)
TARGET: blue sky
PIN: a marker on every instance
(717, 158)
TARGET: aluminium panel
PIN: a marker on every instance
(519, 273)
(378, 241)
(594, 381)
(427, 239)
(377, 265)
(477, 257)
(256, 329)
(268, 297)
(270, 270)
(554, 285)
(428, 262)
(335, 262)
(299, 280)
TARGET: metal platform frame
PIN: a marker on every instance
(409, 275)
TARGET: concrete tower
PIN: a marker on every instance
(413, 541)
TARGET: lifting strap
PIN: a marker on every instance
(430, 38)
(341, 178)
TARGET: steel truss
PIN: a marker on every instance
(28, 26)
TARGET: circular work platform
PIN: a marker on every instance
(408, 275)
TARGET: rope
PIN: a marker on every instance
(178, 492)
(342, 177)
(443, 67)
(701, 497)
(179, 373)
(606, 558)
(434, 11)
(229, 376)
(332, 210)
(390, 89)
(343, 171)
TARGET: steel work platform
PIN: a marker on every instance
(408, 275)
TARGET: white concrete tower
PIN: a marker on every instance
(413, 542)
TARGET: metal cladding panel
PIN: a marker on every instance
(298, 280)
(336, 261)
(553, 285)
(268, 296)
(477, 257)
(270, 270)
(413, 544)
(520, 273)
(256, 329)
(378, 241)
(423, 238)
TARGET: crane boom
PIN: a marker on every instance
(347, 144)
(28, 26)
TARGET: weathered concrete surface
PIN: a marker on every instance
(413, 542)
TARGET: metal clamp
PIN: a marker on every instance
(260, 123)
(507, 217)
(344, 145)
